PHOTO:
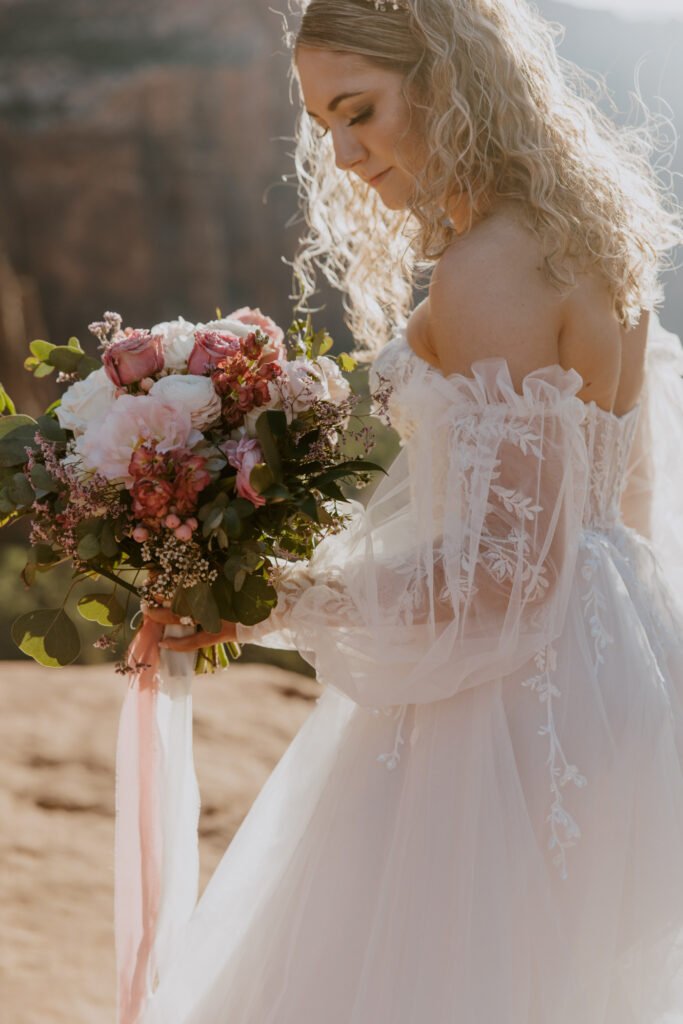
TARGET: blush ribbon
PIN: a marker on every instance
(157, 810)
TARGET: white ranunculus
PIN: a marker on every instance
(337, 384)
(86, 400)
(196, 395)
(177, 339)
(303, 382)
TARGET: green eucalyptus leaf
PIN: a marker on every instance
(88, 547)
(48, 636)
(8, 424)
(232, 524)
(43, 370)
(64, 358)
(213, 520)
(223, 595)
(87, 365)
(20, 491)
(105, 609)
(261, 477)
(277, 421)
(203, 607)
(41, 479)
(6, 402)
(75, 344)
(108, 542)
(50, 428)
(41, 349)
(269, 446)
(254, 601)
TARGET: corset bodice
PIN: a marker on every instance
(608, 438)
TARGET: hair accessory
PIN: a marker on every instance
(388, 5)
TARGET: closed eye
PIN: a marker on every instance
(365, 115)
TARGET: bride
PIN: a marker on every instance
(481, 822)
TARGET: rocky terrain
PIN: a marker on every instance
(57, 744)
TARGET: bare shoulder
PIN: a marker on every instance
(489, 297)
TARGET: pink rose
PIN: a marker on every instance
(243, 455)
(136, 356)
(275, 348)
(211, 348)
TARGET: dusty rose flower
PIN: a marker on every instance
(275, 348)
(211, 348)
(243, 455)
(109, 443)
(134, 357)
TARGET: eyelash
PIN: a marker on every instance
(365, 115)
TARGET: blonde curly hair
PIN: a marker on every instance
(501, 114)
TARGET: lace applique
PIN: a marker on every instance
(393, 757)
(563, 829)
(594, 603)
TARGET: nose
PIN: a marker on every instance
(348, 150)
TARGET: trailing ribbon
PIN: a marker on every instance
(157, 810)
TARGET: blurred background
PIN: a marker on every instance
(142, 152)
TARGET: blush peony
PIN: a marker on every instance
(108, 443)
(196, 395)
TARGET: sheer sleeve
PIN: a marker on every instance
(459, 569)
(653, 497)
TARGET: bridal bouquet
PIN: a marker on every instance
(179, 468)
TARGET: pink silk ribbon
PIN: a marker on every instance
(138, 834)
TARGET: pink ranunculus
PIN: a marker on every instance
(243, 455)
(210, 349)
(275, 348)
(133, 358)
(151, 500)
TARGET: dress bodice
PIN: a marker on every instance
(608, 438)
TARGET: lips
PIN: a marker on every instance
(378, 177)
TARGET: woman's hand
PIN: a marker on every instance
(188, 643)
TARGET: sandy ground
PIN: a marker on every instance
(57, 744)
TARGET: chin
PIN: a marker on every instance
(395, 202)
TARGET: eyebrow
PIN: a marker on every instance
(332, 106)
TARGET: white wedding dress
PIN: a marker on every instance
(481, 821)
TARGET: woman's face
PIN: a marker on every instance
(363, 108)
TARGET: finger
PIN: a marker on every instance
(197, 640)
(190, 643)
(164, 615)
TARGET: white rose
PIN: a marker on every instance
(196, 395)
(337, 384)
(86, 400)
(235, 327)
(177, 339)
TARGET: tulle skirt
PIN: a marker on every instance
(522, 863)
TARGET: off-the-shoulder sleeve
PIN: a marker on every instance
(459, 569)
(653, 497)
